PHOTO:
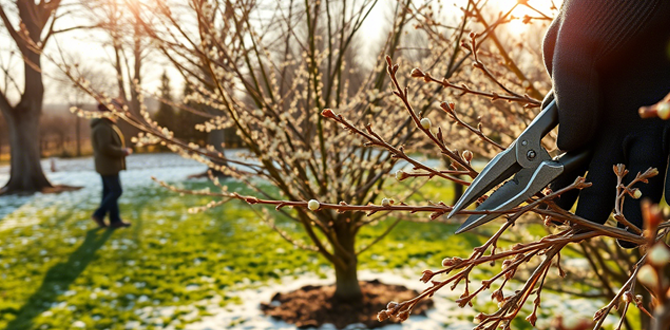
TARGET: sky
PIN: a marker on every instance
(88, 46)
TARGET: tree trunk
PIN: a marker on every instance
(347, 287)
(78, 133)
(216, 138)
(26, 175)
(23, 120)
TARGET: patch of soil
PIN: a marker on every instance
(57, 189)
(313, 306)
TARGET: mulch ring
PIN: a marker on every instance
(313, 306)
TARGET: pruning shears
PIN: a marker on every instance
(529, 162)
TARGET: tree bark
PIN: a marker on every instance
(78, 133)
(23, 121)
(347, 287)
(26, 174)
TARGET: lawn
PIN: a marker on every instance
(61, 272)
(170, 267)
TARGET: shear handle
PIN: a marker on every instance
(573, 159)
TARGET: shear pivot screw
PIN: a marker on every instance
(531, 154)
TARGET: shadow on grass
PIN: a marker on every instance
(59, 277)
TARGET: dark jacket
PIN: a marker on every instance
(108, 147)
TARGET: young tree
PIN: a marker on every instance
(271, 86)
(30, 28)
(271, 90)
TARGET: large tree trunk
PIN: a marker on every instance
(347, 287)
(26, 175)
(23, 121)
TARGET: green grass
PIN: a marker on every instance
(62, 270)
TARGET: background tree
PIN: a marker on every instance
(30, 26)
(3, 134)
(166, 115)
(129, 50)
(76, 97)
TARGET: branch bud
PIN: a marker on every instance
(467, 155)
(448, 107)
(403, 316)
(391, 306)
(313, 205)
(389, 62)
(328, 113)
(401, 175)
(426, 123)
(417, 73)
(426, 276)
(382, 316)
(636, 193)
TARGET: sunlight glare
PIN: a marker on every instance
(517, 26)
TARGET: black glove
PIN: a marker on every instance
(607, 58)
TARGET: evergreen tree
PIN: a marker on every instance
(166, 115)
(187, 121)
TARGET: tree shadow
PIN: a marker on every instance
(59, 277)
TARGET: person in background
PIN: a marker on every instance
(110, 158)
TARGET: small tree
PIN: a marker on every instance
(272, 85)
(271, 93)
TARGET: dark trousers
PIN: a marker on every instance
(111, 191)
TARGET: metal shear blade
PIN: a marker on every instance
(514, 192)
(532, 164)
(525, 152)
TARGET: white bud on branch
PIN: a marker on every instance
(313, 205)
(426, 123)
(401, 175)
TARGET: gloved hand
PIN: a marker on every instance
(607, 58)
